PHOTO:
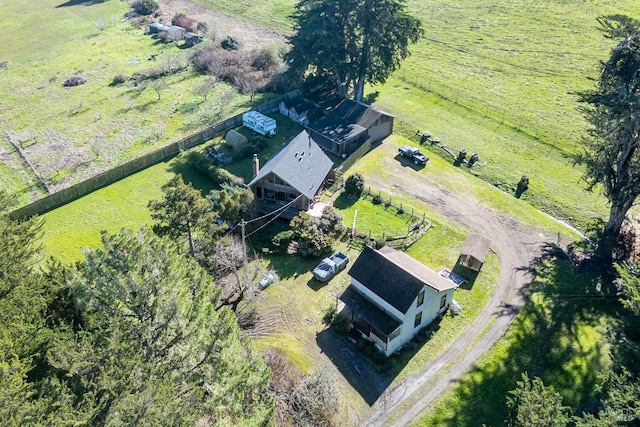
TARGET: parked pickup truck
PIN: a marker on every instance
(329, 267)
(414, 154)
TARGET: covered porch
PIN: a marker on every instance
(370, 321)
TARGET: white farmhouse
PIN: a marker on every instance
(392, 297)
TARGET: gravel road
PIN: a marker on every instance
(515, 245)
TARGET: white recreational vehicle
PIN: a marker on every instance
(259, 123)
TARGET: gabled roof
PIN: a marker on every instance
(477, 246)
(305, 107)
(337, 129)
(300, 163)
(417, 269)
(357, 112)
(395, 277)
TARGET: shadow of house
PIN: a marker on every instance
(392, 297)
(292, 179)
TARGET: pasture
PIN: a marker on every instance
(498, 78)
(70, 133)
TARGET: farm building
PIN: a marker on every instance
(294, 176)
(176, 33)
(300, 110)
(157, 27)
(349, 125)
(191, 39)
(378, 124)
(392, 297)
(473, 251)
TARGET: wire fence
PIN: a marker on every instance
(417, 225)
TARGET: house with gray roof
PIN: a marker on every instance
(293, 177)
(392, 296)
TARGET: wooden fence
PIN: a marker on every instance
(398, 238)
(350, 161)
(122, 171)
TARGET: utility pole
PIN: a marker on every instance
(244, 258)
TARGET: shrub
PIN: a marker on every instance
(331, 222)
(281, 241)
(74, 81)
(329, 314)
(206, 166)
(118, 79)
(354, 186)
(264, 59)
(145, 7)
(182, 20)
(377, 199)
(230, 43)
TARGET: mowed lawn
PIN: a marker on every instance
(123, 204)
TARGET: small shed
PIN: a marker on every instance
(157, 27)
(235, 139)
(176, 33)
(473, 252)
(191, 39)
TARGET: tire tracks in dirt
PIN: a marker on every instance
(515, 245)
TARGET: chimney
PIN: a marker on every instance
(256, 165)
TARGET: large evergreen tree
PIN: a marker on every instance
(154, 351)
(532, 404)
(351, 42)
(611, 153)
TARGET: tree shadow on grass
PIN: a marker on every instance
(368, 371)
(80, 2)
(291, 266)
(190, 175)
(343, 201)
(552, 338)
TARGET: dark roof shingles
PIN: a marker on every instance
(300, 163)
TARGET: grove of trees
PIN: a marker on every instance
(133, 335)
(350, 42)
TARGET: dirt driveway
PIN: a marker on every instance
(515, 245)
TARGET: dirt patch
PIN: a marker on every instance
(221, 25)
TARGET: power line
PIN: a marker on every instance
(275, 217)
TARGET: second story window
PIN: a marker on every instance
(420, 299)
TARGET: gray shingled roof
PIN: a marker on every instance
(395, 277)
(301, 163)
(477, 246)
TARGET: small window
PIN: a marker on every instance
(420, 299)
(259, 192)
(443, 301)
(418, 320)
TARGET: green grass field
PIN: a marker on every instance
(72, 133)
(496, 78)
(123, 204)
